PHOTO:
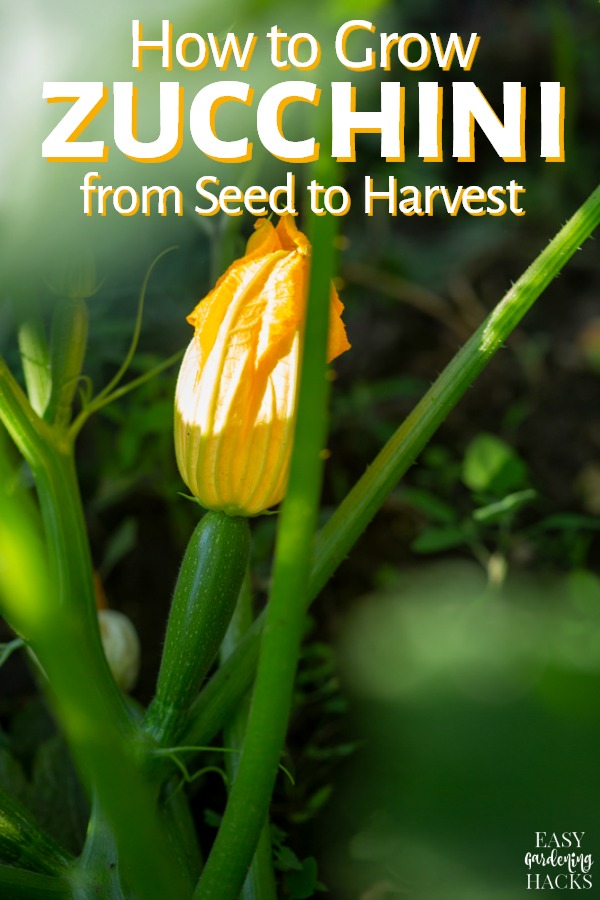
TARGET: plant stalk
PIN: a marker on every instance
(260, 880)
(247, 807)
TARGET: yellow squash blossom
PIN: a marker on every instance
(235, 397)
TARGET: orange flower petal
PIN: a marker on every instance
(235, 399)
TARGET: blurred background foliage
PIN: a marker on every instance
(447, 695)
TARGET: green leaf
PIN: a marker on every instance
(56, 796)
(278, 836)
(584, 590)
(435, 540)
(491, 465)
(303, 883)
(567, 522)
(120, 543)
(435, 456)
(12, 777)
(30, 727)
(335, 751)
(509, 505)
(212, 818)
(320, 797)
(286, 859)
(336, 705)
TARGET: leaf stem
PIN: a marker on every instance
(99, 731)
(360, 505)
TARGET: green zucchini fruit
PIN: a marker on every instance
(206, 593)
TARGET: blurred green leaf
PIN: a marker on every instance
(516, 414)
(30, 727)
(429, 504)
(336, 705)
(12, 777)
(316, 802)
(491, 465)
(584, 590)
(52, 792)
(212, 818)
(120, 543)
(56, 796)
(346, 8)
(435, 540)
(439, 470)
(435, 456)
(286, 859)
(303, 883)
(566, 522)
(330, 752)
(501, 509)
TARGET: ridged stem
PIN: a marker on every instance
(57, 614)
(260, 880)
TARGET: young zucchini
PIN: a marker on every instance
(206, 593)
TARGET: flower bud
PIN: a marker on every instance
(121, 646)
(236, 393)
(67, 353)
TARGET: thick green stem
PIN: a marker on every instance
(247, 806)
(221, 695)
(260, 880)
(177, 820)
(146, 862)
(358, 508)
(220, 698)
(71, 570)
(50, 456)
(105, 755)
(59, 618)
(96, 872)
